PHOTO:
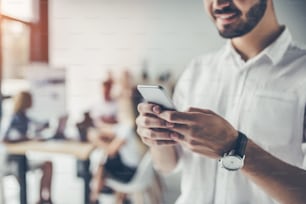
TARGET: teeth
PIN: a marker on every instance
(226, 16)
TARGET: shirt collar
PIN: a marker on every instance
(275, 51)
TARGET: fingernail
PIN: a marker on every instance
(156, 109)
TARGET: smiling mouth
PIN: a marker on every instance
(226, 18)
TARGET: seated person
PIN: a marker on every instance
(18, 131)
(120, 145)
(121, 156)
(107, 108)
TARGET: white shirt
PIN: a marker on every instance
(130, 151)
(104, 108)
(264, 98)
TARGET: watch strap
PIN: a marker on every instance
(241, 144)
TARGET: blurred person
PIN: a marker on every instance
(237, 133)
(18, 131)
(20, 123)
(106, 110)
(84, 125)
(118, 141)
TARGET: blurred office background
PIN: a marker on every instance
(85, 39)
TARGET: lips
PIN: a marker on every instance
(226, 18)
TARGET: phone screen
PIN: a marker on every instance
(156, 94)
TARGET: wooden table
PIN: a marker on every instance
(80, 150)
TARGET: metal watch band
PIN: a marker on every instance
(242, 141)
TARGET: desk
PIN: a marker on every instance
(80, 150)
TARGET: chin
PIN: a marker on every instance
(231, 32)
(230, 35)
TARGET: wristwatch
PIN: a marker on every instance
(234, 159)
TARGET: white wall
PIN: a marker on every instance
(292, 14)
(89, 36)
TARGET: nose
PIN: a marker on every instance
(221, 4)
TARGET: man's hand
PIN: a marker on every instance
(201, 131)
(153, 130)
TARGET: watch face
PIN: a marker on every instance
(232, 162)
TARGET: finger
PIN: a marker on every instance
(189, 132)
(145, 108)
(182, 128)
(166, 142)
(152, 122)
(177, 137)
(150, 142)
(154, 134)
(178, 117)
(188, 117)
(206, 111)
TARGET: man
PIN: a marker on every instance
(242, 142)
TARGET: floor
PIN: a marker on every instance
(67, 188)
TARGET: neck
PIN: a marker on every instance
(251, 44)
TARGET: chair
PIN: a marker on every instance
(140, 184)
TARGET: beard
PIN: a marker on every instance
(253, 16)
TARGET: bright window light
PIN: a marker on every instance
(25, 10)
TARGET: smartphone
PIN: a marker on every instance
(156, 94)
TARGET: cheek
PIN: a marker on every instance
(245, 5)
